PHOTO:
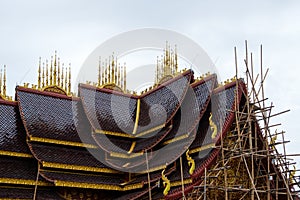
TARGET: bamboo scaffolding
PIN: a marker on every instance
(256, 153)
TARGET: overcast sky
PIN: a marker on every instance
(30, 29)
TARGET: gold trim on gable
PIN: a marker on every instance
(67, 143)
(179, 183)
(15, 154)
(137, 116)
(98, 186)
(126, 135)
(176, 139)
(77, 167)
(121, 155)
(132, 147)
(23, 182)
(154, 169)
(207, 146)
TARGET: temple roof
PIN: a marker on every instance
(52, 117)
(115, 113)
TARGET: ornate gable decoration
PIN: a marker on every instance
(112, 75)
(53, 77)
(167, 65)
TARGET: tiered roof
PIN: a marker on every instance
(110, 139)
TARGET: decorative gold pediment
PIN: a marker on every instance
(111, 74)
(167, 65)
(53, 77)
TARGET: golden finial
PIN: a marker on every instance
(124, 76)
(62, 76)
(103, 73)
(1, 81)
(54, 71)
(66, 80)
(69, 84)
(39, 74)
(166, 183)
(116, 71)
(109, 70)
(26, 85)
(58, 72)
(51, 71)
(4, 81)
(43, 75)
(156, 72)
(47, 75)
(119, 75)
(191, 162)
(99, 72)
(213, 127)
(112, 68)
(176, 60)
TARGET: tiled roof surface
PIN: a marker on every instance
(65, 155)
(117, 112)
(81, 178)
(28, 193)
(107, 111)
(12, 132)
(159, 106)
(18, 168)
(51, 117)
(192, 108)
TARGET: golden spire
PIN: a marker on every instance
(4, 82)
(69, 83)
(99, 73)
(124, 77)
(168, 64)
(58, 71)
(54, 71)
(51, 71)
(119, 75)
(157, 70)
(112, 69)
(43, 75)
(176, 60)
(116, 71)
(106, 72)
(47, 75)
(62, 76)
(109, 70)
(39, 74)
(66, 79)
(1, 81)
(103, 73)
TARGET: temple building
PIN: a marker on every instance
(184, 137)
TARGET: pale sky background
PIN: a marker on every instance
(30, 29)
